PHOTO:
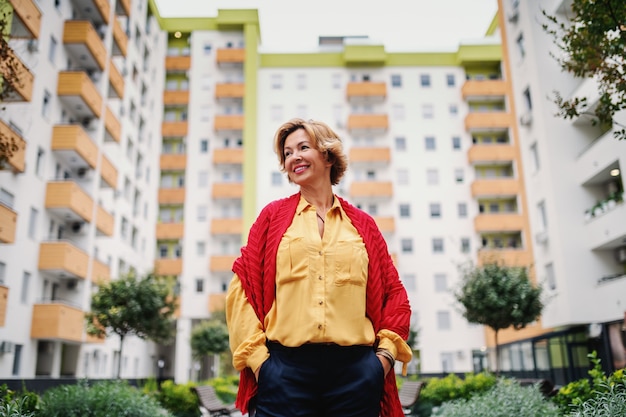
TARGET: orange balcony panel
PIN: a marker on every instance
(69, 200)
(120, 40)
(4, 300)
(57, 321)
(483, 89)
(168, 266)
(229, 90)
(105, 222)
(228, 190)
(103, 7)
(229, 122)
(122, 7)
(80, 93)
(177, 63)
(217, 302)
(368, 121)
(108, 173)
(177, 129)
(94, 339)
(499, 222)
(223, 263)
(491, 153)
(508, 257)
(488, 120)
(116, 82)
(495, 187)
(17, 160)
(100, 272)
(228, 156)
(172, 97)
(18, 78)
(167, 231)
(63, 259)
(26, 22)
(231, 55)
(112, 127)
(75, 144)
(226, 226)
(386, 224)
(366, 89)
(173, 162)
(371, 189)
(82, 41)
(370, 155)
(8, 221)
(171, 195)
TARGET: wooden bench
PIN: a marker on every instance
(210, 404)
(409, 394)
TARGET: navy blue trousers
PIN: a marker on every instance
(319, 380)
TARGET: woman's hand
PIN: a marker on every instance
(385, 362)
(256, 374)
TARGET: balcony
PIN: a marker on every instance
(608, 230)
(112, 127)
(26, 19)
(120, 40)
(371, 189)
(122, 7)
(222, 263)
(483, 89)
(229, 122)
(229, 91)
(57, 321)
(4, 301)
(173, 162)
(488, 120)
(227, 190)
(174, 128)
(96, 11)
(8, 221)
(508, 257)
(116, 82)
(177, 63)
(18, 78)
(228, 156)
(170, 231)
(175, 97)
(231, 56)
(108, 173)
(83, 43)
(79, 93)
(226, 226)
(217, 302)
(366, 91)
(63, 260)
(165, 267)
(74, 146)
(491, 153)
(502, 222)
(368, 122)
(100, 272)
(69, 201)
(495, 187)
(385, 224)
(369, 155)
(105, 222)
(17, 160)
(171, 195)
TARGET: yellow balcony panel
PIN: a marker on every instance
(8, 220)
(105, 222)
(108, 173)
(484, 89)
(79, 93)
(177, 63)
(370, 155)
(508, 257)
(26, 19)
(222, 263)
(120, 40)
(228, 156)
(488, 120)
(227, 190)
(57, 321)
(173, 97)
(229, 122)
(229, 90)
(366, 90)
(122, 7)
(226, 226)
(82, 42)
(217, 302)
(69, 201)
(495, 187)
(371, 189)
(171, 195)
(17, 161)
(4, 300)
(18, 78)
(74, 145)
(100, 272)
(368, 122)
(116, 82)
(168, 266)
(176, 128)
(386, 224)
(168, 231)
(491, 153)
(63, 259)
(173, 162)
(112, 127)
(231, 55)
(499, 222)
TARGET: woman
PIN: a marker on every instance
(316, 312)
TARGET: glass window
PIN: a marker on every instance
(430, 143)
(456, 142)
(450, 82)
(425, 80)
(400, 143)
(336, 81)
(405, 210)
(435, 210)
(403, 176)
(409, 281)
(459, 175)
(462, 209)
(453, 109)
(437, 245)
(301, 81)
(199, 285)
(277, 178)
(407, 245)
(432, 176)
(465, 245)
(443, 320)
(52, 52)
(396, 80)
(204, 145)
(276, 81)
(32, 223)
(427, 111)
(441, 283)
(25, 287)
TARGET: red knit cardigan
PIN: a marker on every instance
(387, 303)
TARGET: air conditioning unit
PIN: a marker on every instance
(6, 346)
(526, 119)
(33, 45)
(620, 255)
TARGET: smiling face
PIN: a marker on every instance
(304, 164)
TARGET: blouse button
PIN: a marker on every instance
(319, 326)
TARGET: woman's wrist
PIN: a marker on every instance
(387, 355)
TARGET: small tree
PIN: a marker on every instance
(499, 297)
(132, 306)
(209, 338)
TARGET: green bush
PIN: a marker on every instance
(225, 387)
(611, 402)
(506, 399)
(439, 390)
(18, 404)
(178, 399)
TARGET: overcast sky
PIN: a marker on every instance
(400, 25)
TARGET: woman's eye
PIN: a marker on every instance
(287, 154)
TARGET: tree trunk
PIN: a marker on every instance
(119, 361)
(497, 354)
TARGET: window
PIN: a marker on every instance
(277, 178)
(407, 245)
(443, 320)
(453, 109)
(124, 228)
(276, 113)
(25, 286)
(45, 107)
(6, 198)
(425, 80)
(543, 217)
(450, 82)
(207, 49)
(462, 210)
(427, 111)
(409, 281)
(301, 81)
(199, 285)
(202, 213)
(527, 99)
(400, 143)
(302, 111)
(3, 269)
(456, 142)
(397, 111)
(276, 81)
(465, 245)
(204, 145)
(396, 80)
(441, 283)
(405, 210)
(203, 179)
(163, 251)
(32, 223)
(336, 81)
(432, 176)
(459, 175)
(430, 143)
(550, 276)
(200, 248)
(52, 52)
(206, 82)
(403, 176)
(520, 46)
(435, 210)
(534, 156)
(437, 245)
(17, 358)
